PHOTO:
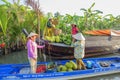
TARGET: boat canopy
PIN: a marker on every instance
(106, 32)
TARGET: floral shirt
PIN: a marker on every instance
(79, 47)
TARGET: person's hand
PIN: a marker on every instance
(43, 46)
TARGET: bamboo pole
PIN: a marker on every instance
(38, 19)
(36, 6)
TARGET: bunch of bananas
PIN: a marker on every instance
(53, 38)
(62, 38)
(66, 39)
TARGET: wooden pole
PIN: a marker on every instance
(38, 20)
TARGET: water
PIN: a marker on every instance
(17, 57)
(21, 57)
(115, 76)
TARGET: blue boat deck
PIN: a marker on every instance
(21, 71)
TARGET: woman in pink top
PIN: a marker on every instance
(32, 51)
(74, 31)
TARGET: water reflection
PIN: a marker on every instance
(115, 76)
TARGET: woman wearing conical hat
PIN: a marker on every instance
(79, 49)
(32, 51)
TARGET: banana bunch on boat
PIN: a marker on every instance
(66, 38)
(62, 38)
(53, 38)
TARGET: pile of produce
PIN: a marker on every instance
(62, 38)
(51, 67)
(54, 67)
(41, 68)
(53, 38)
(66, 38)
(68, 66)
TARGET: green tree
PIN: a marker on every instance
(90, 17)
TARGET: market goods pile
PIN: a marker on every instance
(68, 66)
(62, 38)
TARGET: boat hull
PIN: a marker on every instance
(95, 46)
(12, 71)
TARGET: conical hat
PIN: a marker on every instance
(78, 36)
(32, 34)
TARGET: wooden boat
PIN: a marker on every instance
(99, 66)
(95, 46)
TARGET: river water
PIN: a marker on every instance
(21, 57)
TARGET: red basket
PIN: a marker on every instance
(41, 68)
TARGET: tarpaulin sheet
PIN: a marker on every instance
(107, 32)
